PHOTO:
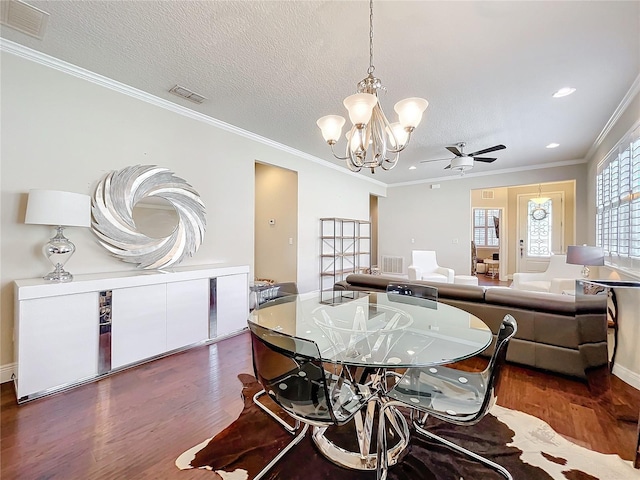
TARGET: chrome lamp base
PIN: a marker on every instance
(58, 275)
(58, 251)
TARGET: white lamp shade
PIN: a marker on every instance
(399, 134)
(410, 111)
(331, 126)
(53, 207)
(360, 106)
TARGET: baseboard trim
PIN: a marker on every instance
(627, 376)
(6, 371)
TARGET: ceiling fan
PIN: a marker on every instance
(464, 161)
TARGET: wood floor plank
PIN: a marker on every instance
(135, 424)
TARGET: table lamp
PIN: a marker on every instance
(586, 256)
(59, 209)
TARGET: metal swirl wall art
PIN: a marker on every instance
(112, 207)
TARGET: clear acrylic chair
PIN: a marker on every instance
(293, 375)
(455, 396)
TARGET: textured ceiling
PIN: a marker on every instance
(273, 68)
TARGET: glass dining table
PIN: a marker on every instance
(378, 333)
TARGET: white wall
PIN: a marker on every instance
(440, 219)
(276, 224)
(62, 132)
(627, 364)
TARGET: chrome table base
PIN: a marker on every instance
(363, 459)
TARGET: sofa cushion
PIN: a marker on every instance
(536, 286)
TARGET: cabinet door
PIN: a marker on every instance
(187, 312)
(139, 324)
(57, 341)
(232, 303)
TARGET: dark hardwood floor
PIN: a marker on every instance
(134, 424)
(488, 281)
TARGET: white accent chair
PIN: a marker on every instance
(558, 276)
(424, 266)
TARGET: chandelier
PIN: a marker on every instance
(372, 141)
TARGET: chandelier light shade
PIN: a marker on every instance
(372, 141)
(58, 209)
(331, 126)
(539, 200)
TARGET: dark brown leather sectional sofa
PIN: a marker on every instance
(558, 333)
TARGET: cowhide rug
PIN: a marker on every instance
(524, 445)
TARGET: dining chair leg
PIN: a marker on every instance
(498, 468)
(291, 429)
(283, 452)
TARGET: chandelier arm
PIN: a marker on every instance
(389, 167)
(334, 153)
(398, 150)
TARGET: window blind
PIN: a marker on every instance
(618, 204)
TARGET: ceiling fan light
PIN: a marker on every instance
(462, 163)
(331, 127)
(360, 106)
(410, 111)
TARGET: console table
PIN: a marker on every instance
(69, 333)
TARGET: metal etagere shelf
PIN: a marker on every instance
(345, 249)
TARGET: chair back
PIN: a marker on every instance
(492, 373)
(425, 259)
(414, 290)
(559, 268)
(292, 374)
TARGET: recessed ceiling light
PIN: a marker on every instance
(563, 92)
(553, 145)
(412, 167)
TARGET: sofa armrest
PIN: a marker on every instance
(447, 272)
(415, 273)
(520, 277)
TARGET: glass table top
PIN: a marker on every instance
(377, 329)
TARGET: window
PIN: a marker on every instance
(485, 227)
(539, 230)
(618, 204)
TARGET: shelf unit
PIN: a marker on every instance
(345, 249)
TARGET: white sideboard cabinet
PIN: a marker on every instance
(65, 334)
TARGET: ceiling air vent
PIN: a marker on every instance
(188, 94)
(487, 194)
(24, 18)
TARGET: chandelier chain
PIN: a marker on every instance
(371, 67)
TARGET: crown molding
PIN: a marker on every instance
(48, 61)
(624, 104)
(448, 178)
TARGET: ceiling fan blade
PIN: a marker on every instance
(435, 160)
(448, 166)
(455, 151)
(484, 159)
(487, 150)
